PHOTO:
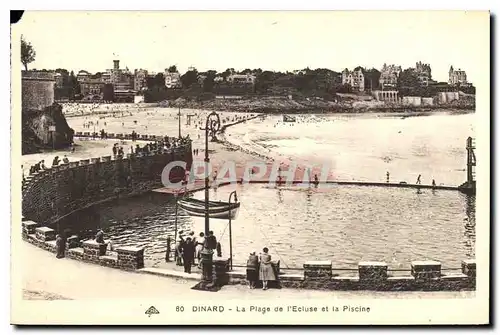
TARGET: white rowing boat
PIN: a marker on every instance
(216, 209)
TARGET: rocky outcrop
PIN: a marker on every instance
(36, 129)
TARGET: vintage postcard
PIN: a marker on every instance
(250, 167)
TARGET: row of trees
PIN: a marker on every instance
(319, 82)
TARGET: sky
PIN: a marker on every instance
(278, 40)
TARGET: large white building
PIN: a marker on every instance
(457, 77)
(355, 78)
(140, 77)
(172, 79)
(389, 76)
(241, 79)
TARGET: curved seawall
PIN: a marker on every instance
(53, 193)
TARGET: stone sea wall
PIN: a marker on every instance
(53, 193)
(373, 276)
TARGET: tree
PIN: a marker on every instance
(372, 79)
(74, 87)
(189, 78)
(172, 69)
(209, 83)
(407, 79)
(27, 53)
(159, 80)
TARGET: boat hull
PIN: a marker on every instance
(216, 210)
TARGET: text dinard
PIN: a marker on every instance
(289, 309)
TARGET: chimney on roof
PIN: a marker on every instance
(116, 64)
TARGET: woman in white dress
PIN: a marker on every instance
(200, 242)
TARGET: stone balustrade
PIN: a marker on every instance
(125, 258)
(92, 249)
(425, 269)
(425, 275)
(130, 257)
(220, 271)
(318, 269)
(73, 242)
(469, 267)
(45, 234)
(372, 271)
(29, 227)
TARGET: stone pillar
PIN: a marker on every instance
(372, 271)
(45, 234)
(93, 250)
(318, 269)
(206, 262)
(130, 258)
(221, 268)
(73, 242)
(29, 228)
(469, 267)
(426, 269)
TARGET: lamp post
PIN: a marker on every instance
(230, 231)
(179, 116)
(212, 126)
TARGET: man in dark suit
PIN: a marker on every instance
(188, 254)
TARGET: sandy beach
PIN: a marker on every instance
(162, 121)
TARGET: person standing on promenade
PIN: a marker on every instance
(418, 180)
(387, 174)
(252, 266)
(200, 242)
(188, 254)
(211, 241)
(266, 272)
(178, 250)
(193, 241)
(433, 183)
(60, 246)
